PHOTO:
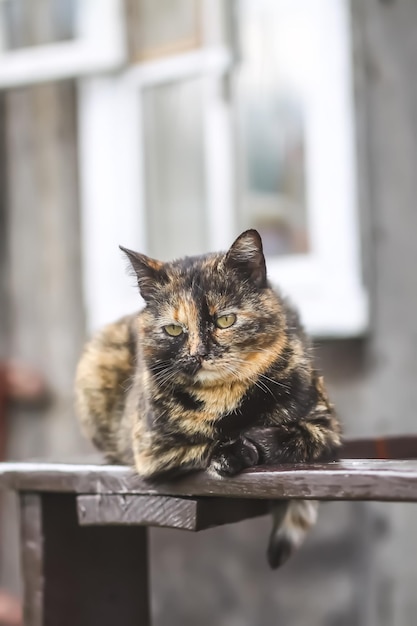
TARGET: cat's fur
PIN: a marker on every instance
(216, 398)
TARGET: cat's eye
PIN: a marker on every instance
(225, 321)
(173, 330)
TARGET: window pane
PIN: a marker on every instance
(164, 27)
(271, 125)
(174, 155)
(26, 23)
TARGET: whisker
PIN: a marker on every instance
(276, 382)
(256, 382)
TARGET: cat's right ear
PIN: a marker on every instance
(150, 273)
(246, 256)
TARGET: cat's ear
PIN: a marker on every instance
(246, 256)
(150, 273)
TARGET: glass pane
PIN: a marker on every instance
(164, 27)
(174, 163)
(26, 23)
(271, 126)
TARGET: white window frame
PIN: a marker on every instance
(325, 284)
(99, 45)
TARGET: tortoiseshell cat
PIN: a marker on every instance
(215, 372)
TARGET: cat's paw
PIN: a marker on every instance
(224, 465)
(248, 452)
(233, 458)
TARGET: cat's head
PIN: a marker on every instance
(208, 319)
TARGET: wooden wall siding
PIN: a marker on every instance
(47, 324)
(374, 385)
(8, 568)
(45, 296)
(3, 237)
(390, 396)
(46, 300)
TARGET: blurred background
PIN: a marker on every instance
(169, 127)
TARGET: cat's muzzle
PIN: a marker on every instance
(192, 365)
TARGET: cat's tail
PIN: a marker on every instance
(292, 519)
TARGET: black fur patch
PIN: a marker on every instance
(186, 400)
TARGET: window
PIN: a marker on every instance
(296, 155)
(164, 28)
(200, 118)
(92, 39)
(224, 137)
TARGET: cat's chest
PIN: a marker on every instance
(231, 410)
(219, 400)
(256, 407)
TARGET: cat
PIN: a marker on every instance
(214, 373)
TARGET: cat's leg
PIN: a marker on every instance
(158, 457)
(314, 438)
(162, 462)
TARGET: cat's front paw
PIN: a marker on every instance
(225, 465)
(230, 459)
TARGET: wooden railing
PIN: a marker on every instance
(84, 527)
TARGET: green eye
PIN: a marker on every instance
(225, 321)
(174, 330)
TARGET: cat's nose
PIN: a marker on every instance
(200, 352)
(192, 365)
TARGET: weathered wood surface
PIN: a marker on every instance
(165, 511)
(345, 480)
(31, 557)
(80, 576)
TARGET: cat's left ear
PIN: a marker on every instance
(246, 255)
(150, 273)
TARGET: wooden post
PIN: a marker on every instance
(80, 576)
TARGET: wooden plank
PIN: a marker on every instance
(218, 511)
(31, 550)
(169, 512)
(81, 576)
(163, 511)
(345, 480)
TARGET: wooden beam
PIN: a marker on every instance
(164, 511)
(345, 480)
